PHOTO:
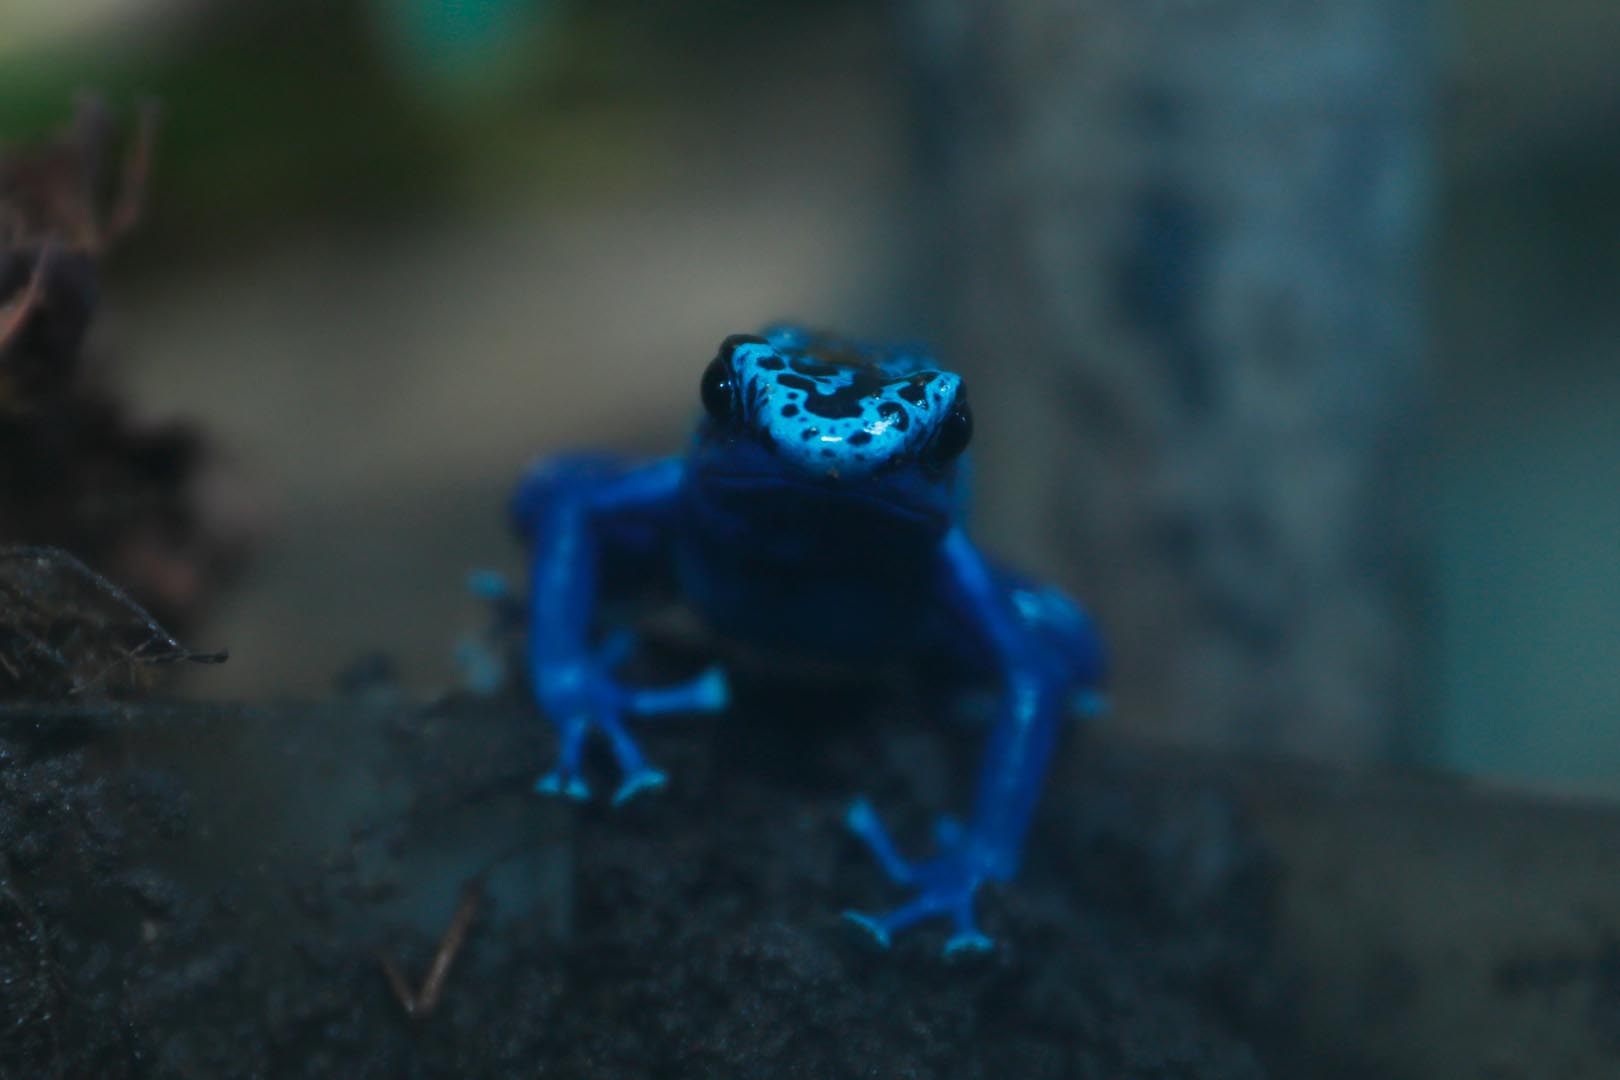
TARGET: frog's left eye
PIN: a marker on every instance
(955, 431)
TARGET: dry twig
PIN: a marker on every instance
(420, 1004)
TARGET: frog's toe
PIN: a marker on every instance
(873, 927)
(863, 821)
(968, 942)
(967, 939)
(708, 692)
(953, 898)
(645, 778)
(883, 927)
(942, 886)
(563, 785)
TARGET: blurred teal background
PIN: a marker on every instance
(395, 249)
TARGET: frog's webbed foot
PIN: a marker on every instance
(598, 702)
(944, 885)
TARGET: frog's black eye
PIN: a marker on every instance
(719, 387)
(955, 431)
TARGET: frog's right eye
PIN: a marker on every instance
(719, 386)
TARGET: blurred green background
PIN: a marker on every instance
(396, 249)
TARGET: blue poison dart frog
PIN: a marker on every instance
(818, 509)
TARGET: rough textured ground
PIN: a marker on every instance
(206, 893)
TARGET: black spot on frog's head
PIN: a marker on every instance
(833, 409)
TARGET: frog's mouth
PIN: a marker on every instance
(750, 476)
(786, 493)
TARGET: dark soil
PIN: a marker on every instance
(208, 892)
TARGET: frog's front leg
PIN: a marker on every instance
(1043, 649)
(573, 512)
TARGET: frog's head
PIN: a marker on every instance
(817, 413)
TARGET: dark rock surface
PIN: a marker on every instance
(209, 892)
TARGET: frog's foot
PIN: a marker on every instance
(608, 703)
(944, 885)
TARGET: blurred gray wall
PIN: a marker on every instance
(1527, 474)
(1182, 255)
